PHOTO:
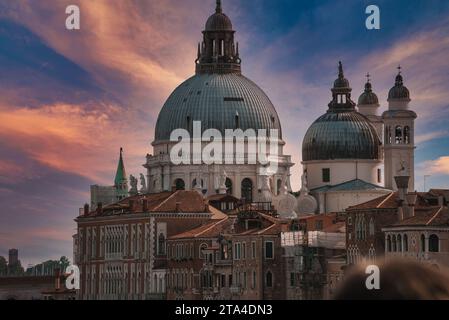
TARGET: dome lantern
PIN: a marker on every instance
(218, 52)
(342, 132)
(341, 93)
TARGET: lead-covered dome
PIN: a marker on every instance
(218, 21)
(219, 101)
(368, 96)
(341, 133)
(399, 91)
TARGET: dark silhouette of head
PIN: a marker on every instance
(399, 280)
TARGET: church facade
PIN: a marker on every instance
(351, 154)
(219, 98)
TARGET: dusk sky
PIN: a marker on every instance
(70, 99)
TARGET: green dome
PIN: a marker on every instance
(219, 101)
(341, 135)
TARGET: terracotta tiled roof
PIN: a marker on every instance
(178, 201)
(339, 227)
(436, 217)
(209, 230)
(391, 201)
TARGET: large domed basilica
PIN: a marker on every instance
(351, 154)
(220, 98)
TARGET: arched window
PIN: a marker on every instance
(180, 184)
(203, 247)
(388, 243)
(405, 243)
(371, 227)
(247, 190)
(228, 186)
(269, 279)
(399, 243)
(398, 135)
(237, 120)
(423, 243)
(278, 186)
(161, 245)
(363, 228)
(395, 248)
(406, 134)
(434, 243)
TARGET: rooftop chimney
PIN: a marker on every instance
(440, 201)
(86, 209)
(99, 208)
(57, 279)
(411, 201)
(402, 184)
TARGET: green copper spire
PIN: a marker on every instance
(120, 176)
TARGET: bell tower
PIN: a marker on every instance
(399, 135)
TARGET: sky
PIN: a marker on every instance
(70, 99)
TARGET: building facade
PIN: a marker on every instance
(122, 248)
(366, 222)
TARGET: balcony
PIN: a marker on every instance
(223, 263)
(235, 289)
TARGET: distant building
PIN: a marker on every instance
(35, 288)
(423, 235)
(315, 255)
(13, 257)
(235, 258)
(110, 194)
(366, 222)
(248, 256)
(121, 248)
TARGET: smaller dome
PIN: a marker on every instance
(399, 91)
(341, 81)
(368, 97)
(218, 22)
